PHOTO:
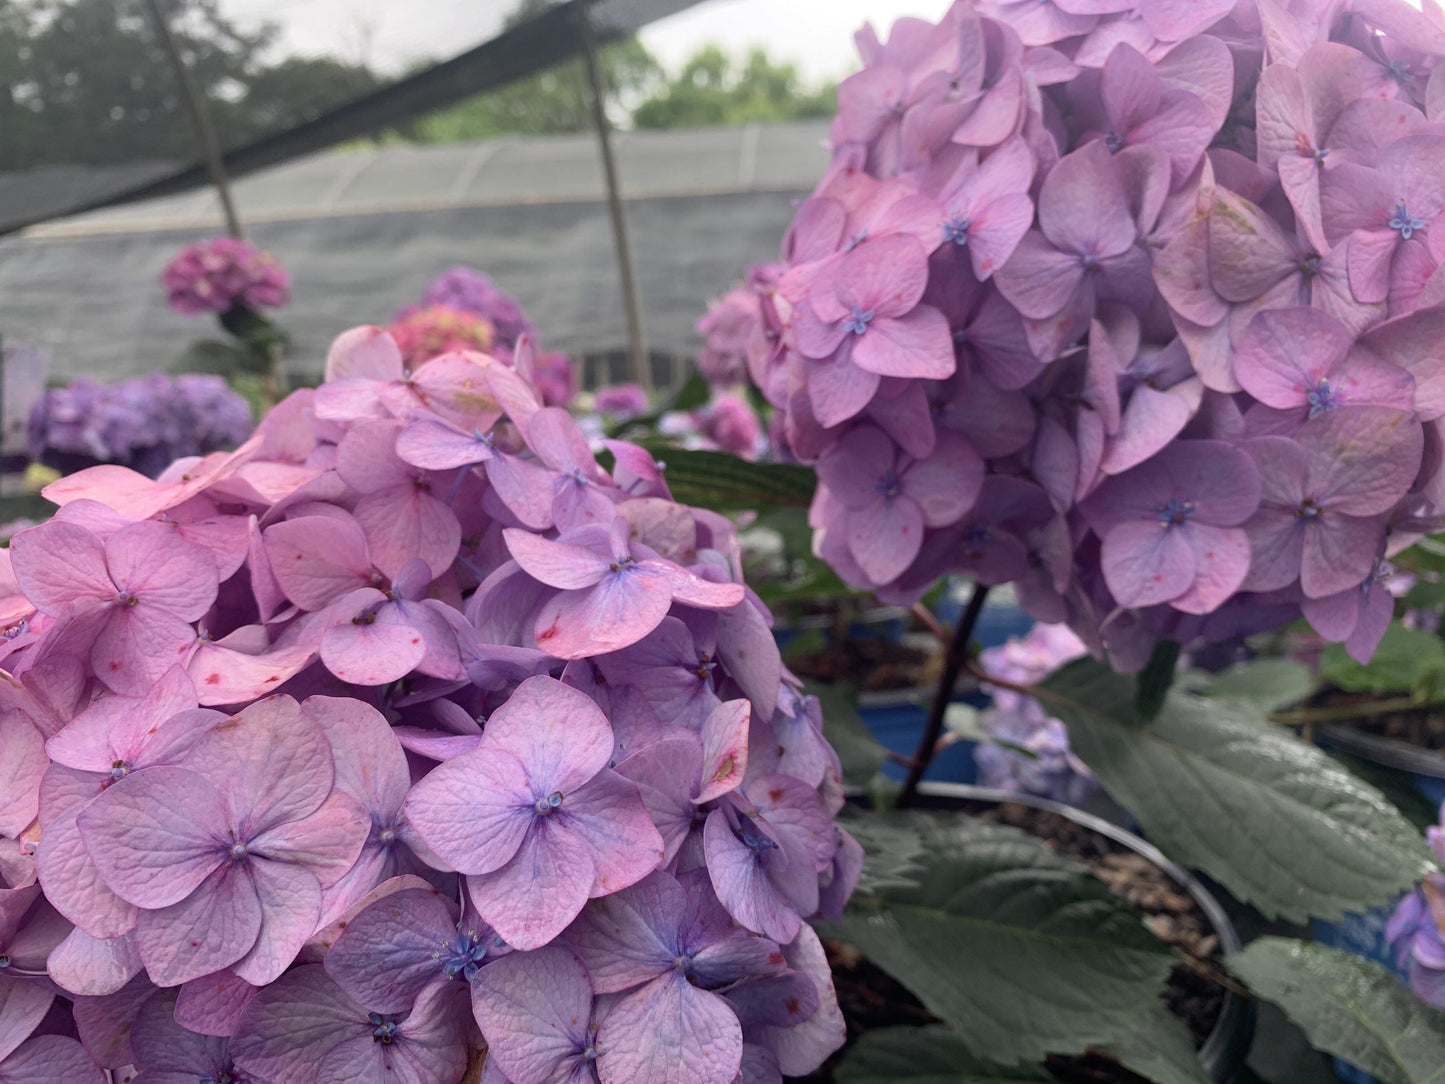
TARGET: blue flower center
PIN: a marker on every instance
(590, 1053)
(621, 564)
(1176, 513)
(462, 954)
(888, 485)
(1400, 72)
(125, 598)
(545, 807)
(4, 961)
(1114, 141)
(384, 1029)
(1321, 397)
(1308, 510)
(1405, 222)
(753, 839)
(858, 321)
(855, 239)
(386, 837)
(956, 229)
(682, 963)
(237, 852)
(118, 770)
(20, 628)
(224, 1078)
(1309, 267)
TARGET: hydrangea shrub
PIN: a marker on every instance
(222, 273)
(403, 732)
(1133, 305)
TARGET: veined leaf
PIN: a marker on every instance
(1350, 1007)
(1218, 788)
(724, 482)
(932, 1055)
(1022, 952)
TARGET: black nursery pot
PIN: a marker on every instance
(1227, 1045)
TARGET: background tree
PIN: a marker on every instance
(713, 89)
(550, 102)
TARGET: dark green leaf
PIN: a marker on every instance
(1154, 681)
(1398, 788)
(1218, 788)
(1406, 660)
(1160, 1048)
(724, 482)
(932, 1055)
(857, 748)
(1267, 684)
(1021, 951)
(693, 394)
(1350, 1007)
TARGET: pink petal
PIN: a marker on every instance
(151, 562)
(558, 734)
(316, 559)
(1039, 279)
(290, 901)
(474, 809)
(155, 835)
(137, 644)
(365, 352)
(73, 883)
(886, 538)
(59, 563)
(607, 814)
(725, 749)
(914, 344)
(210, 929)
(1145, 564)
(384, 956)
(406, 522)
(558, 564)
(327, 842)
(88, 967)
(669, 1030)
(540, 890)
(618, 611)
(1221, 561)
(367, 651)
(51, 1059)
(535, 1009)
(1339, 552)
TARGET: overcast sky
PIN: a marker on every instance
(817, 35)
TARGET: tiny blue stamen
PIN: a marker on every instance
(462, 955)
(1308, 510)
(1405, 222)
(384, 1031)
(590, 1053)
(1322, 397)
(682, 963)
(1310, 266)
(1400, 72)
(545, 807)
(956, 229)
(888, 485)
(125, 598)
(1176, 512)
(1114, 141)
(386, 837)
(238, 851)
(4, 961)
(118, 770)
(855, 239)
(20, 628)
(858, 321)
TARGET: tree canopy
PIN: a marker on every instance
(713, 88)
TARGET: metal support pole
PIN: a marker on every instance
(637, 342)
(196, 105)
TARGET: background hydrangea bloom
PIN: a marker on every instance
(214, 276)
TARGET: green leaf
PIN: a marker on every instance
(858, 750)
(1218, 788)
(1154, 681)
(1349, 1007)
(1266, 684)
(965, 721)
(932, 1055)
(1000, 938)
(1398, 788)
(724, 482)
(1160, 1048)
(1406, 660)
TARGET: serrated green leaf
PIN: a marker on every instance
(1218, 788)
(1000, 938)
(1349, 1007)
(1405, 659)
(724, 482)
(1398, 788)
(931, 1055)
(858, 750)
(1160, 1048)
(1267, 684)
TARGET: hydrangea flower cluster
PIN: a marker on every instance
(1414, 930)
(464, 289)
(433, 330)
(143, 423)
(1030, 753)
(402, 732)
(1134, 305)
(730, 324)
(217, 275)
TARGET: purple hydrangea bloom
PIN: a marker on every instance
(1414, 931)
(213, 276)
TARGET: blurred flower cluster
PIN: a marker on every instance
(1029, 753)
(143, 423)
(1414, 930)
(438, 323)
(403, 732)
(1134, 305)
(217, 275)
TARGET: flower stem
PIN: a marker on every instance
(953, 661)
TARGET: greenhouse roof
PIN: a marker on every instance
(362, 232)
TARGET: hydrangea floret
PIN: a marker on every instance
(1165, 275)
(404, 732)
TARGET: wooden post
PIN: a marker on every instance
(196, 105)
(637, 341)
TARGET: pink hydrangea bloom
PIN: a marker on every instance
(437, 329)
(213, 276)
